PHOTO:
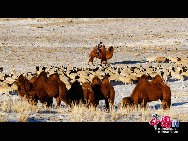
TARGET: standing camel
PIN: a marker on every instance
(103, 55)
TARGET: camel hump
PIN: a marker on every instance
(95, 48)
(157, 79)
(105, 80)
(144, 76)
(54, 76)
(43, 73)
(105, 77)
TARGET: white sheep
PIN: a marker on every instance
(133, 76)
(185, 73)
(160, 59)
(150, 59)
(4, 89)
(65, 80)
(2, 76)
(124, 73)
(177, 75)
(9, 80)
(123, 79)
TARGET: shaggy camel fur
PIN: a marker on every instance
(47, 88)
(146, 91)
(96, 87)
(103, 55)
(108, 91)
(88, 93)
(25, 88)
(103, 91)
(75, 93)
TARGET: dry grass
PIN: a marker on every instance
(81, 113)
(21, 107)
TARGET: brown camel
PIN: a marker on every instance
(103, 90)
(146, 91)
(103, 55)
(48, 87)
(107, 91)
(26, 89)
(88, 93)
(75, 93)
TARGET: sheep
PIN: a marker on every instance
(151, 59)
(160, 59)
(177, 75)
(123, 79)
(4, 88)
(9, 80)
(133, 77)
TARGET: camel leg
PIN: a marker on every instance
(49, 102)
(111, 105)
(88, 61)
(101, 61)
(96, 102)
(107, 103)
(91, 60)
(58, 101)
(105, 62)
(66, 100)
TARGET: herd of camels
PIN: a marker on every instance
(44, 88)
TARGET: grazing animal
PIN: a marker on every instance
(103, 90)
(95, 81)
(104, 55)
(75, 93)
(47, 88)
(62, 89)
(25, 88)
(96, 87)
(88, 93)
(107, 91)
(146, 91)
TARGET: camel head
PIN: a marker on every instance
(127, 101)
(22, 81)
(96, 80)
(86, 90)
(110, 52)
(110, 49)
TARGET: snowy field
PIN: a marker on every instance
(27, 43)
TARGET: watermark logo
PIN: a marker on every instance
(167, 126)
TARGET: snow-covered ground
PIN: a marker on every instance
(26, 43)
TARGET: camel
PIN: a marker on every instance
(75, 93)
(108, 92)
(103, 55)
(88, 93)
(146, 91)
(48, 87)
(25, 88)
(103, 90)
